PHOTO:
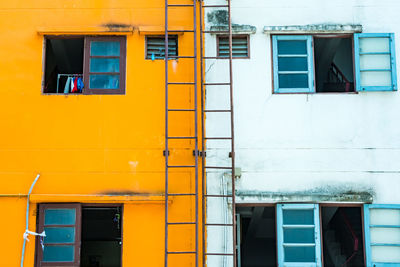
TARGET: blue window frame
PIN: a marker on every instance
(375, 62)
(293, 64)
(299, 241)
(382, 235)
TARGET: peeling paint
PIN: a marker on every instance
(218, 17)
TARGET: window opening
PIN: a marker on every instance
(257, 237)
(63, 61)
(342, 236)
(101, 236)
(240, 46)
(155, 47)
(88, 65)
(77, 235)
(333, 64)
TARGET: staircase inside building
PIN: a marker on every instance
(342, 235)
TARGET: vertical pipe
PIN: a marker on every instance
(196, 133)
(203, 148)
(27, 218)
(166, 135)
(232, 133)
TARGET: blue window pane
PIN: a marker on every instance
(298, 217)
(100, 81)
(101, 48)
(292, 64)
(299, 254)
(104, 65)
(59, 235)
(300, 235)
(292, 47)
(58, 253)
(59, 216)
(293, 81)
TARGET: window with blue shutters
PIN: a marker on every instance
(375, 62)
(293, 64)
(382, 235)
(61, 246)
(298, 235)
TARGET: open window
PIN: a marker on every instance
(342, 234)
(79, 235)
(85, 65)
(256, 237)
(299, 242)
(326, 63)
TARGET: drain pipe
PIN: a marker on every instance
(27, 232)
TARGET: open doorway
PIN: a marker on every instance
(342, 234)
(333, 64)
(257, 237)
(101, 237)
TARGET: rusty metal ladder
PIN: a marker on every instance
(227, 196)
(194, 137)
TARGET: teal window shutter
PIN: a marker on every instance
(382, 235)
(299, 242)
(293, 64)
(375, 62)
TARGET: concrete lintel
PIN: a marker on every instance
(314, 28)
(236, 29)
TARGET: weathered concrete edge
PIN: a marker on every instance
(315, 28)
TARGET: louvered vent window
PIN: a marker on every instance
(240, 46)
(155, 47)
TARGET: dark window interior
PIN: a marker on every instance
(63, 56)
(101, 237)
(333, 64)
(258, 236)
(341, 226)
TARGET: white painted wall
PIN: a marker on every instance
(304, 147)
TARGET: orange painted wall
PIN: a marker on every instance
(90, 147)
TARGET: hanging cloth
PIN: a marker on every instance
(67, 85)
(80, 84)
(75, 85)
(72, 84)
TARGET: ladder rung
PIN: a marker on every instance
(181, 252)
(217, 32)
(218, 138)
(217, 110)
(211, 6)
(219, 254)
(180, 5)
(180, 31)
(217, 84)
(219, 224)
(181, 194)
(176, 109)
(180, 223)
(218, 195)
(181, 137)
(216, 167)
(215, 57)
(172, 57)
(181, 83)
(181, 166)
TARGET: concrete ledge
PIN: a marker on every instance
(314, 28)
(89, 30)
(236, 29)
